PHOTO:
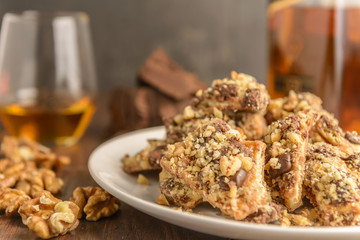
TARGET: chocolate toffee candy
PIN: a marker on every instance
(163, 74)
(135, 108)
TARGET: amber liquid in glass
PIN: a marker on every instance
(62, 126)
(317, 49)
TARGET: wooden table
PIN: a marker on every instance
(128, 223)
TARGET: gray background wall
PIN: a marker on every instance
(208, 37)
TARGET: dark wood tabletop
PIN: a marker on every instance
(128, 223)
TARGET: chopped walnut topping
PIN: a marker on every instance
(281, 108)
(161, 200)
(306, 218)
(229, 165)
(252, 125)
(95, 202)
(188, 113)
(239, 93)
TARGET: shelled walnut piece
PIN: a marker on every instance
(27, 170)
(10, 171)
(11, 200)
(94, 202)
(24, 150)
(32, 182)
(48, 216)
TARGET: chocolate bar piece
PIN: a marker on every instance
(135, 108)
(163, 74)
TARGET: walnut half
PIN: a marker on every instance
(32, 182)
(26, 150)
(48, 216)
(11, 200)
(95, 202)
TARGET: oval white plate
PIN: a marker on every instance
(105, 168)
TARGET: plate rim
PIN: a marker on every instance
(133, 200)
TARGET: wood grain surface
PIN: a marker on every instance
(128, 223)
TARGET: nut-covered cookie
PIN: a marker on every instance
(327, 130)
(176, 192)
(332, 188)
(351, 159)
(287, 143)
(216, 163)
(281, 108)
(240, 92)
(251, 125)
(147, 159)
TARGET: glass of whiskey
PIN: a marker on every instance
(314, 46)
(47, 76)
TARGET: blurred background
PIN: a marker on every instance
(208, 37)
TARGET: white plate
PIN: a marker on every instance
(105, 168)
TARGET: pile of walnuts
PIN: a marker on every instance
(28, 181)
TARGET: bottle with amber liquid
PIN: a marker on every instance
(314, 46)
(47, 76)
